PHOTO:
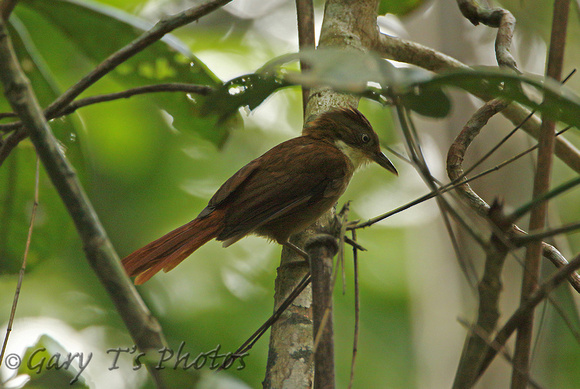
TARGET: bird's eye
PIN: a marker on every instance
(365, 138)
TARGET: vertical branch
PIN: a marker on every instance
(306, 39)
(520, 315)
(356, 310)
(6, 8)
(321, 249)
(289, 352)
(541, 185)
(348, 25)
(143, 327)
(489, 290)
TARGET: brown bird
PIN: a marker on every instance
(276, 195)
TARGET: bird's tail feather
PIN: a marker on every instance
(172, 248)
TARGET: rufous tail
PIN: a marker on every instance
(172, 248)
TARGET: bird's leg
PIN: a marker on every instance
(297, 250)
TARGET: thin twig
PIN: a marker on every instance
(420, 164)
(23, 267)
(538, 236)
(543, 198)
(99, 251)
(461, 180)
(413, 53)
(7, 210)
(356, 311)
(503, 352)
(519, 316)
(306, 39)
(10, 142)
(80, 103)
(172, 87)
(538, 215)
(251, 341)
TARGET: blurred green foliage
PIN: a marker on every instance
(150, 163)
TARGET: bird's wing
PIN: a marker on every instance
(277, 184)
(229, 187)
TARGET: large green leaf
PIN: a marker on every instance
(348, 71)
(563, 104)
(249, 90)
(421, 91)
(95, 31)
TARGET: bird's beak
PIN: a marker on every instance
(382, 160)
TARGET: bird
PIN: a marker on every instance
(276, 195)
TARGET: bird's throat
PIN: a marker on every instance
(356, 157)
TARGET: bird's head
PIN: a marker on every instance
(351, 132)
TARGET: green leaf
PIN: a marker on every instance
(421, 91)
(40, 362)
(427, 100)
(95, 31)
(563, 104)
(46, 88)
(249, 90)
(339, 69)
(355, 72)
(398, 7)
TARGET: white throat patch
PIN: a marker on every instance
(356, 156)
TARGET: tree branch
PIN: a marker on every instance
(519, 316)
(499, 18)
(321, 249)
(174, 87)
(538, 215)
(349, 25)
(413, 53)
(306, 39)
(489, 290)
(80, 103)
(142, 326)
(149, 37)
(6, 8)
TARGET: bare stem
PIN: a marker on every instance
(23, 267)
(6, 8)
(413, 53)
(101, 255)
(539, 211)
(321, 249)
(498, 18)
(306, 39)
(140, 90)
(519, 317)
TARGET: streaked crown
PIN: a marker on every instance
(351, 132)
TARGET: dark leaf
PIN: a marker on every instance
(249, 90)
